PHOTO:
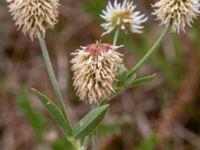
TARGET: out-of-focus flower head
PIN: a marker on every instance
(124, 16)
(95, 68)
(34, 16)
(178, 13)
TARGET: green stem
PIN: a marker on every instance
(76, 145)
(85, 141)
(95, 135)
(52, 76)
(116, 36)
(95, 140)
(150, 51)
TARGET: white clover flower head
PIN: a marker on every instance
(34, 16)
(178, 13)
(95, 68)
(122, 15)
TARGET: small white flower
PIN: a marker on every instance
(122, 15)
(178, 13)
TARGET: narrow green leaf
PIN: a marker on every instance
(142, 80)
(122, 76)
(90, 122)
(148, 144)
(130, 79)
(55, 112)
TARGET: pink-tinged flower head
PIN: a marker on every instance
(97, 49)
(95, 68)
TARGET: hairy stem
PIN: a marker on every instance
(150, 51)
(86, 141)
(95, 140)
(52, 76)
(95, 134)
(76, 145)
(116, 36)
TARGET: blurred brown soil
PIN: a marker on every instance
(187, 93)
(139, 110)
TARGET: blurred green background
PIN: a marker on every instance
(162, 114)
